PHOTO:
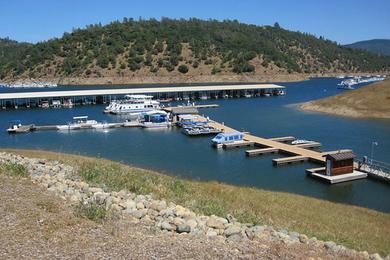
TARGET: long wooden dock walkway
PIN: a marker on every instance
(296, 152)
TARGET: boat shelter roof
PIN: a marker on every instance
(341, 156)
(80, 117)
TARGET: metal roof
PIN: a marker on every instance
(184, 110)
(341, 156)
(124, 91)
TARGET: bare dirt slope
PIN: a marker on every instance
(35, 224)
(372, 101)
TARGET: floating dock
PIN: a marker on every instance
(256, 152)
(238, 144)
(297, 153)
(288, 160)
(294, 150)
(356, 175)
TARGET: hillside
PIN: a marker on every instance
(183, 49)
(372, 101)
(378, 46)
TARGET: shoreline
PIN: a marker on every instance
(368, 102)
(182, 79)
(249, 205)
(342, 111)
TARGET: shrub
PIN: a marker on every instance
(183, 69)
(195, 64)
(13, 169)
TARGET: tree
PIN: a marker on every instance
(276, 25)
(183, 69)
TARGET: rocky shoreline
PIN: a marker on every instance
(62, 180)
(179, 78)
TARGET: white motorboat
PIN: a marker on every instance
(279, 92)
(103, 125)
(301, 141)
(155, 125)
(79, 122)
(133, 104)
(155, 119)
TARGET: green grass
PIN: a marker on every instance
(352, 226)
(13, 169)
(92, 212)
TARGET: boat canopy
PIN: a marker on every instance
(80, 117)
(156, 112)
(138, 97)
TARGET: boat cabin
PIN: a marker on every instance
(156, 116)
(80, 119)
(138, 98)
(223, 138)
(339, 163)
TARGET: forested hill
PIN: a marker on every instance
(181, 47)
(379, 46)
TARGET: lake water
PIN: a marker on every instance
(172, 153)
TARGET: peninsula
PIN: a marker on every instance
(372, 101)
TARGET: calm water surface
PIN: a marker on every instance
(173, 153)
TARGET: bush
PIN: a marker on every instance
(153, 69)
(183, 69)
(93, 212)
(13, 169)
(215, 70)
(195, 64)
(169, 66)
(208, 62)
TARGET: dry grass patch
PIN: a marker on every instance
(372, 101)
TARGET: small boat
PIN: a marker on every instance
(346, 87)
(279, 92)
(79, 122)
(224, 138)
(155, 125)
(155, 119)
(200, 130)
(17, 127)
(301, 141)
(104, 125)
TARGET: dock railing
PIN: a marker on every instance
(375, 168)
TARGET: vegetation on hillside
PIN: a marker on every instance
(151, 45)
(352, 226)
(378, 46)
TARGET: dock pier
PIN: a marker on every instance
(296, 153)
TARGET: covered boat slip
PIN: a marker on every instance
(105, 95)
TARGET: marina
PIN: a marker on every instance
(268, 117)
(68, 98)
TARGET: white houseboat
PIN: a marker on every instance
(133, 104)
